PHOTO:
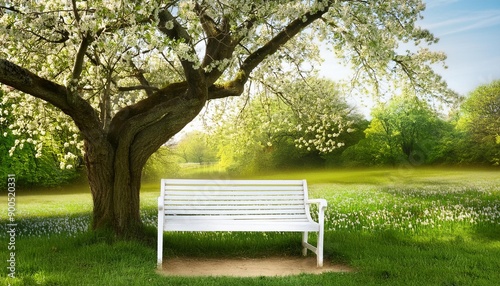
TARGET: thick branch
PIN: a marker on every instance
(219, 39)
(120, 120)
(26, 81)
(79, 59)
(177, 116)
(278, 41)
(177, 32)
(232, 88)
(149, 89)
(235, 87)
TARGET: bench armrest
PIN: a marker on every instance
(322, 204)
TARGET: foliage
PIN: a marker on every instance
(405, 130)
(294, 125)
(195, 147)
(480, 124)
(122, 45)
(163, 163)
(32, 164)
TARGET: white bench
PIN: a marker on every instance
(239, 205)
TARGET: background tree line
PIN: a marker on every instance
(405, 130)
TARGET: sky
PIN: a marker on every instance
(469, 34)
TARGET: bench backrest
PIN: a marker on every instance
(236, 199)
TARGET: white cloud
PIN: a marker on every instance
(466, 22)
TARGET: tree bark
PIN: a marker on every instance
(115, 191)
(115, 163)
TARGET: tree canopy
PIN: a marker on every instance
(480, 120)
(404, 130)
(131, 74)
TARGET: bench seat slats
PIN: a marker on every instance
(234, 212)
(235, 201)
(175, 182)
(215, 193)
(234, 198)
(285, 219)
(223, 188)
(239, 225)
(174, 207)
(247, 202)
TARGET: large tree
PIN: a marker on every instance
(131, 74)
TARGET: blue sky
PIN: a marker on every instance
(469, 33)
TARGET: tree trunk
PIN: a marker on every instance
(115, 189)
(115, 160)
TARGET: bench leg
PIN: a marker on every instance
(305, 235)
(159, 261)
(319, 253)
(160, 252)
(161, 217)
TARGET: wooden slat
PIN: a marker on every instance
(232, 211)
(233, 207)
(232, 188)
(228, 225)
(167, 182)
(228, 200)
(216, 193)
(242, 210)
(235, 200)
(187, 219)
(185, 202)
(250, 215)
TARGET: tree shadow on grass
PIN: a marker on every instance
(232, 244)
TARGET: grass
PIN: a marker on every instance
(395, 227)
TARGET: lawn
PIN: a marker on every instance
(393, 226)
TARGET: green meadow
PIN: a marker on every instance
(401, 226)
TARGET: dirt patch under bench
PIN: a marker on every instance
(243, 267)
